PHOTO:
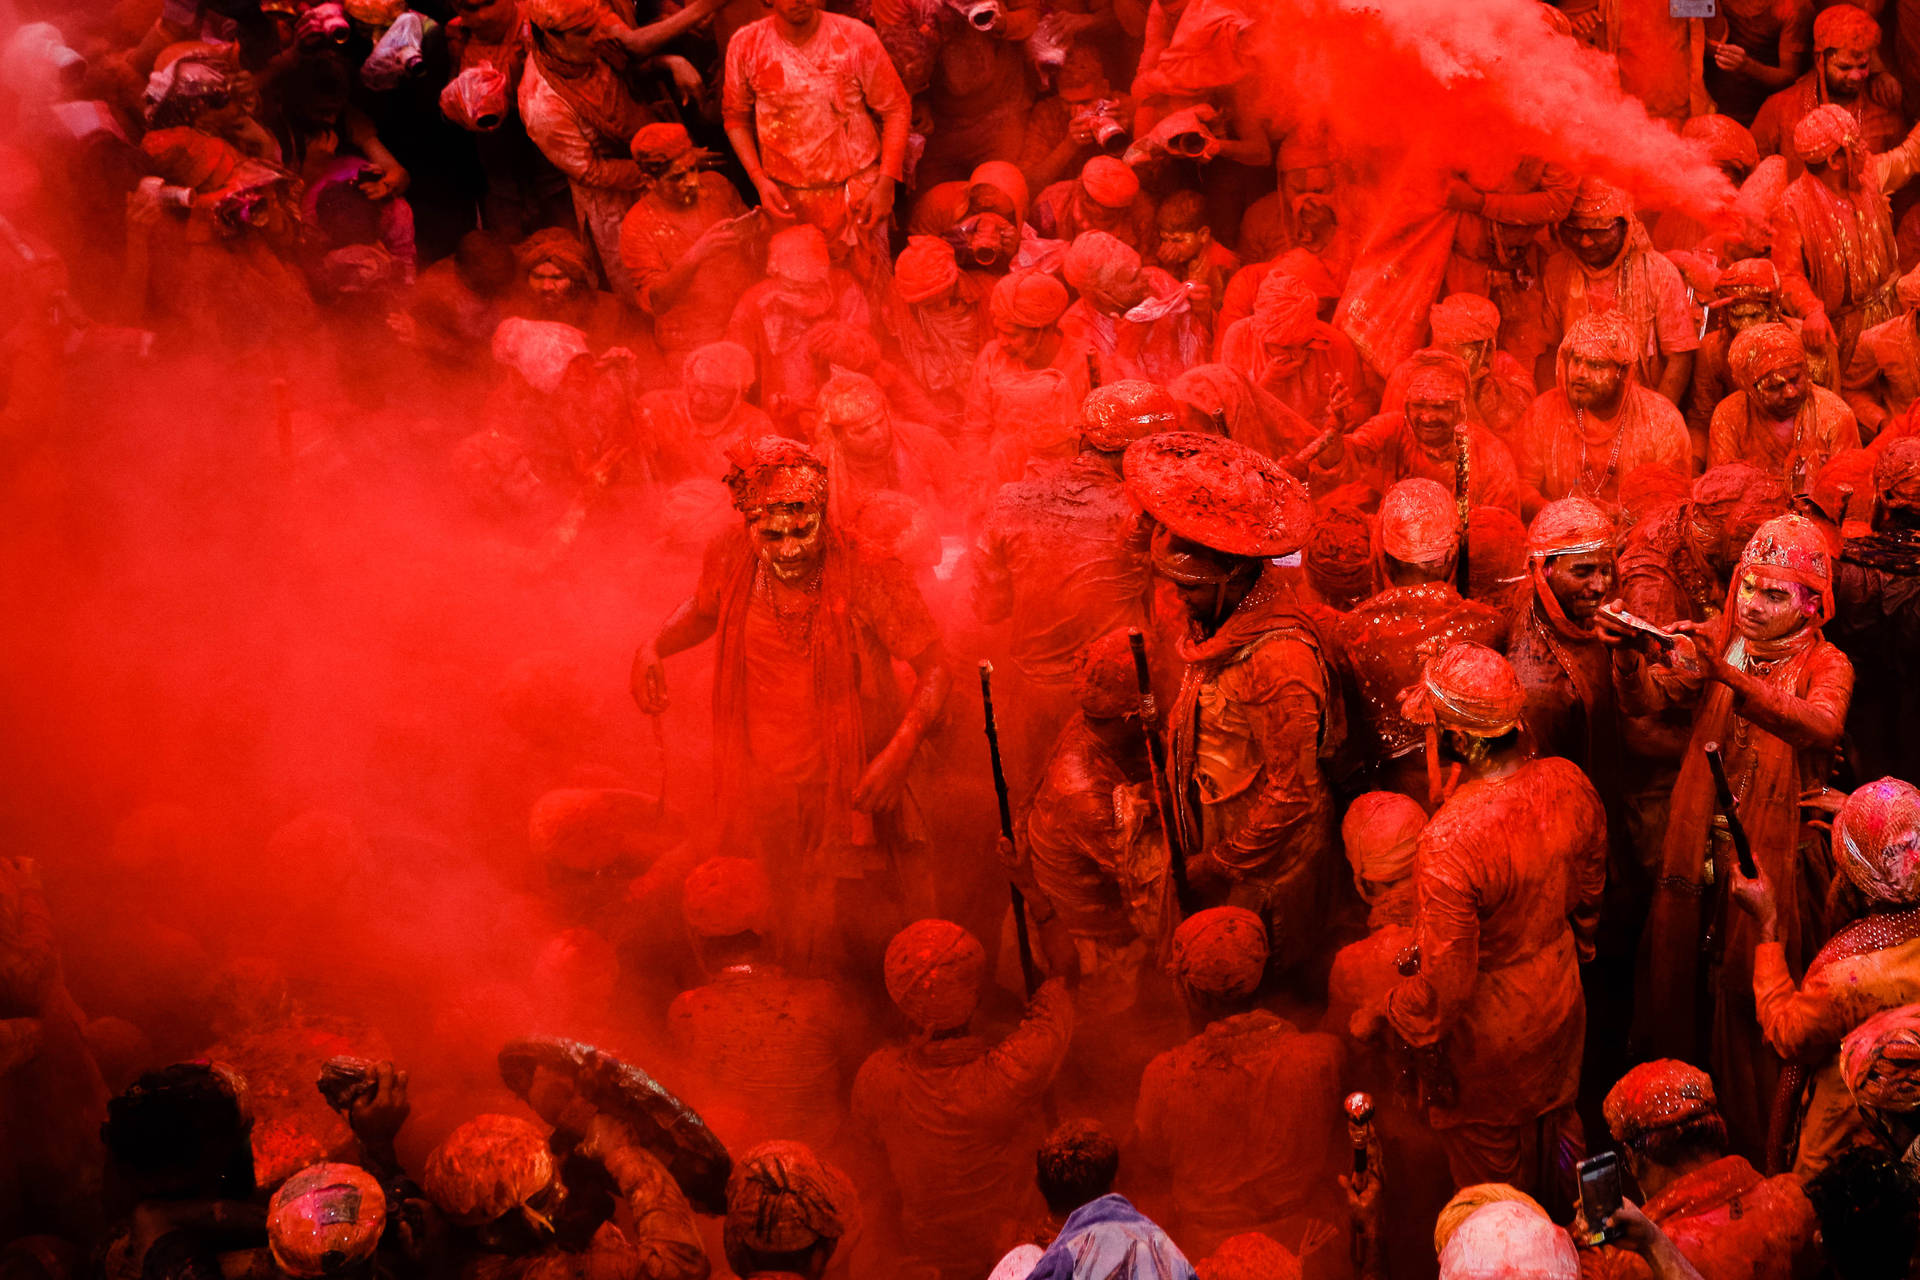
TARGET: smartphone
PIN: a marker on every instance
(1600, 1195)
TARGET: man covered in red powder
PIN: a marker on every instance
(1136, 319)
(1105, 197)
(869, 451)
(684, 432)
(1024, 398)
(1833, 234)
(1606, 264)
(812, 745)
(1258, 705)
(1304, 213)
(1385, 640)
(1747, 293)
(1495, 249)
(1417, 439)
(936, 320)
(1768, 687)
(957, 1117)
(1468, 326)
(1556, 653)
(1057, 559)
(819, 118)
(1598, 425)
(1243, 1118)
(1779, 420)
(1845, 44)
(682, 243)
(1882, 380)
(803, 291)
(769, 1052)
(1723, 1216)
(1286, 349)
(1508, 877)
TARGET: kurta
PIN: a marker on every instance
(1729, 1222)
(1567, 454)
(1794, 450)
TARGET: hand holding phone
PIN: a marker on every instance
(1600, 1196)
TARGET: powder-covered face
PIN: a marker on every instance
(1580, 582)
(788, 539)
(1767, 609)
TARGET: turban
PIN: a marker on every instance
(1115, 415)
(561, 248)
(1764, 349)
(934, 969)
(1217, 493)
(1907, 291)
(1469, 688)
(799, 255)
(325, 1219)
(1463, 318)
(1825, 129)
(189, 158)
(849, 398)
(718, 366)
(1598, 204)
(1007, 180)
(1285, 311)
(1027, 300)
(1845, 28)
(1468, 1201)
(1877, 835)
(1880, 1060)
(1109, 183)
(1601, 335)
(1509, 1241)
(476, 99)
(1657, 1095)
(561, 15)
(1098, 265)
(1896, 475)
(850, 346)
(1728, 141)
(1251, 1255)
(1106, 685)
(657, 147)
(1844, 486)
(487, 1167)
(1309, 270)
(1418, 522)
(926, 269)
(541, 351)
(593, 829)
(1719, 489)
(1220, 952)
(1496, 552)
(727, 896)
(1380, 832)
(375, 13)
(1647, 488)
(1339, 556)
(1790, 548)
(1435, 377)
(782, 1198)
(774, 470)
(1750, 278)
(1567, 527)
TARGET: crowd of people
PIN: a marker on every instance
(1259, 714)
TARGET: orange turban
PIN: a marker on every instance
(1027, 300)
(934, 969)
(1764, 349)
(1109, 183)
(925, 269)
(1286, 312)
(1418, 522)
(727, 896)
(1845, 28)
(1826, 129)
(1603, 336)
(1567, 527)
(1381, 831)
(1460, 319)
(1469, 688)
(1220, 952)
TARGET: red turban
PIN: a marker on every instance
(1877, 839)
(1851, 471)
(1099, 266)
(1469, 688)
(1109, 183)
(1433, 376)
(1657, 1095)
(727, 896)
(1418, 522)
(558, 246)
(1825, 129)
(782, 1198)
(1896, 475)
(562, 15)
(1647, 488)
(1790, 548)
(850, 346)
(325, 1219)
(1460, 319)
(1106, 685)
(799, 255)
(1027, 300)
(1496, 552)
(849, 399)
(1720, 489)
(1845, 28)
(934, 969)
(1569, 526)
(925, 269)
(1309, 270)
(1598, 204)
(1285, 312)
(1764, 349)
(1750, 278)
(1339, 556)
(657, 147)
(1601, 335)
(1251, 1255)
(487, 1167)
(718, 366)
(1220, 952)
(774, 470)
(1728, 141)
(1115, 415)
(1381, 831)
(1880, 1060)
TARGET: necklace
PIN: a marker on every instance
(795, 622)
(1588, 482)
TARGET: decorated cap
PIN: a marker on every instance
(1220, 952)
(1825, 129)
(1598, 205)
(934, 969)
(1658, 1095)
(1217, 493)
(775, 471)
(1791, 548)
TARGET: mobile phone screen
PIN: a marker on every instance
(1600, 1194)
